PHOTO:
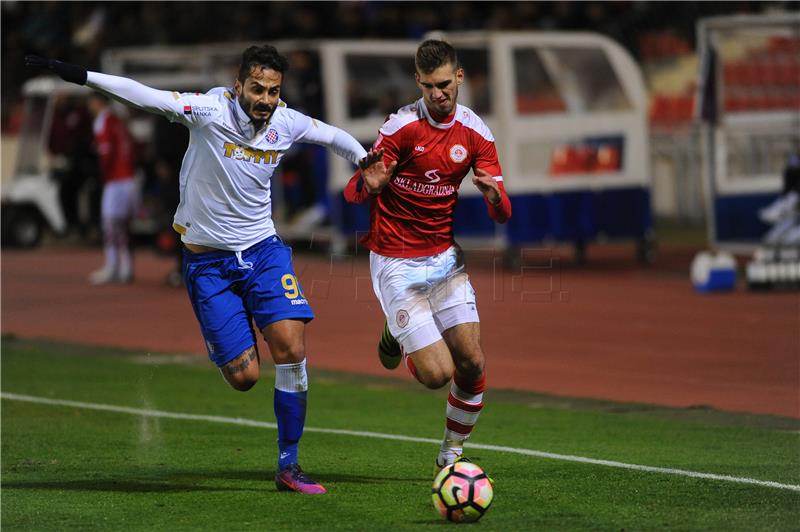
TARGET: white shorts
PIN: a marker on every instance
(119, 199)
(423, 296)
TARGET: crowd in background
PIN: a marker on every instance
(80, 31)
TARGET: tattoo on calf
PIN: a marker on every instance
(246, 358)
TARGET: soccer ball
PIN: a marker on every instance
(462, 492)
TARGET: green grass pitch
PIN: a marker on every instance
(68, 467)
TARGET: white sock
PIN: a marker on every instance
(463, 409)
(110, 246)
(125, 266)
(291, 377)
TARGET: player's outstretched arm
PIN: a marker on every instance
(130, 92)
(494, 193)
(307, 129)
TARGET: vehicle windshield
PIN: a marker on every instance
(31, 157)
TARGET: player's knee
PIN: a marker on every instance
(242, 372)
(290, 352)
(471, 366)
(242, 383)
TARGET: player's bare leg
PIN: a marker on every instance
(464, 344)
(286, 342)
(242, 372)
(465, 401)
(432, 365)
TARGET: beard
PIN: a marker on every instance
(250, 108)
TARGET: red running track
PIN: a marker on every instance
(610, 331)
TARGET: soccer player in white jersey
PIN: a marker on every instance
(236, 268)
(417, 268)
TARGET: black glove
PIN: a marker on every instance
(67, 71)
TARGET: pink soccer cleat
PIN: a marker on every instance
(292, 478)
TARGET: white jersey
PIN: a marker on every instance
(225, 195)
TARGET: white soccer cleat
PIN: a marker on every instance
(125, 276)
(444, 461)
(101, 277)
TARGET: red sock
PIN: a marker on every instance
(471, 386)
(464, 405)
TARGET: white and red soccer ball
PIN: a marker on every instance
(462, 492)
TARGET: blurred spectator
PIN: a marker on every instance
(115, 151)
(169, 145)
(81, 31)
(297, 178)
(302, 88)
(48, 30)
(350, 20)
(73, 162)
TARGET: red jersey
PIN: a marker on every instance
(413, 215)
(114, 147)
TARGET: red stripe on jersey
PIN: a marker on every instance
(455, 402)
(455, 426)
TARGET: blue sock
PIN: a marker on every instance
(290, 409)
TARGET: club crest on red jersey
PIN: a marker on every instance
(458, 153)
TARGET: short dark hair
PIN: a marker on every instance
(434, 53)
(264, 56)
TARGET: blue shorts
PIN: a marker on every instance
(227, 295)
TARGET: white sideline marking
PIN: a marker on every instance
(397, 437)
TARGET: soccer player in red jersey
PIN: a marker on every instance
(417, 268)
(115, 152)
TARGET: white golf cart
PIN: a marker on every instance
(30, 198)
(31, 204)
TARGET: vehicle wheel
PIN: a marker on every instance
(25, 227)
